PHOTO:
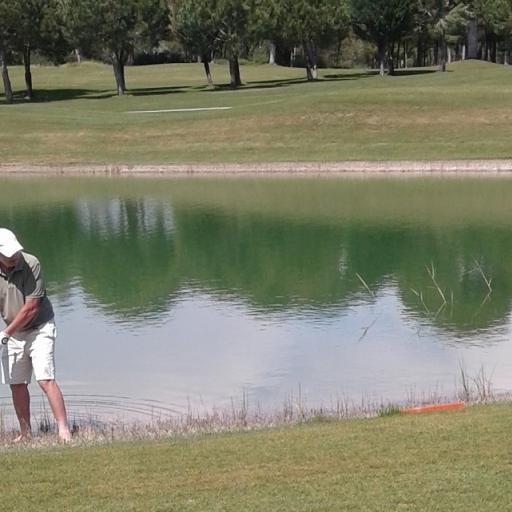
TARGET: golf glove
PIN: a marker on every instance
(4, 338)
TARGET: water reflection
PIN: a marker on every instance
(192, 291)
(115, 217)
(132, 257)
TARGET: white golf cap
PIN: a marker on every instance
(9, 244)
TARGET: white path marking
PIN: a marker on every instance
(177, 110)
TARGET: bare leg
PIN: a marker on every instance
(56, 401)
(21, 401)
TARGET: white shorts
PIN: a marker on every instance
(29, 351)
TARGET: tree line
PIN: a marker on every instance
(399, 32)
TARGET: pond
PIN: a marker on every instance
(174, 294)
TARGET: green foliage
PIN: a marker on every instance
(447, 21)
(113, 28)
(456, 23)
(234, 25)
(314, 24)
(80, 19)
(196, 25)
(384, 23)
(495, 16)
(444, 16)
(31, 14)
(315, 21)
(352, 52)
(8, 24)
(8, 19)
(39, 27)
(229, 26)
(266, 19)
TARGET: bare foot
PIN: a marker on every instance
(65, 435)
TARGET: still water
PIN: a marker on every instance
(184, 293)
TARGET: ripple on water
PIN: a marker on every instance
(94, 410)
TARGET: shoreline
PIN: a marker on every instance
(390, 167)
(238, 419)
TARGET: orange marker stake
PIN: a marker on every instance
(433, 407)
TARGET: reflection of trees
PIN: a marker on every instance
(130, 254)
(116, 217)
(273, 263)
(120, 251)
(133, 255)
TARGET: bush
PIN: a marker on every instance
(167, 52)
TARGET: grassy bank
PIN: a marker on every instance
(276, 116)
(437, 462)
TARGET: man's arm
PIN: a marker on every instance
(25, 315)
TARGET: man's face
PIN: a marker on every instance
(9, 263)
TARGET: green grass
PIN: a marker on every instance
(452, 461)
(276, 116)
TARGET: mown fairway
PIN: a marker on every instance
(458, 461)
(276, 116)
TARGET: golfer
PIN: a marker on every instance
(28, 340)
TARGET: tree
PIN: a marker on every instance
(490, 21)
(38, 28)
(234, 33)
(115, 27)
(315, 24)
(456, 25)
(31, 13)
(80, 21)
(266, 24)
(8, 19)
(493, 16)
(384, 23)
(447, 19)
(205, 26)
(196, 25)
(508, 34)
